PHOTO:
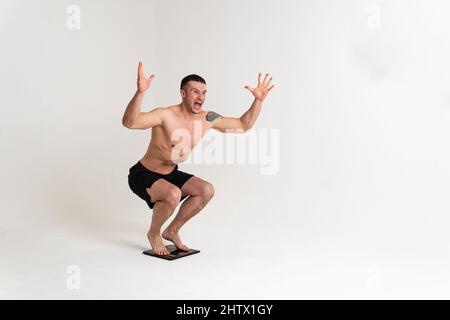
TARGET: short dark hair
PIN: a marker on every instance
(191, 77)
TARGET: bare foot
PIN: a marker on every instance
(157, 244)
(175, 238)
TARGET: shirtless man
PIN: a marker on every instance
(155, 177)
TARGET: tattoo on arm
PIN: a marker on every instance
(211, 116)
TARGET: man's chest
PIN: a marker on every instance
(186, 132)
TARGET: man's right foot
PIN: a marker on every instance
(157, 244)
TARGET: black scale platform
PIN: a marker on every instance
(175, 253)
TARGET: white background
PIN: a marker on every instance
(358, 208)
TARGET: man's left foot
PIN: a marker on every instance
(175, 238)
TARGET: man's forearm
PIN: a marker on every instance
(133, 108)
(249, 117)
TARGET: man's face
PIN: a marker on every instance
(194, 96)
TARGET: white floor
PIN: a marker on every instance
(240, 258)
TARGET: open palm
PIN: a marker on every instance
(263, 88)
(143, 83)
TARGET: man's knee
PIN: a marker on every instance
(173, 196)
(207, 191)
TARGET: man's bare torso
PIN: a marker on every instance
(170, 138)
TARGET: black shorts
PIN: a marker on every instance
(141, 178)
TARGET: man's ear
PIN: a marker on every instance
(183, 93)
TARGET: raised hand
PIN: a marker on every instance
(143, 83)
(263, 88)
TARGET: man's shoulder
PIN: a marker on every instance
(168, 110)
(174, 108)
(210, 116)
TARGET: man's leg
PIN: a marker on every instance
(166, 197)
(200, 193)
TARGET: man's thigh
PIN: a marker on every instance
(194, 186)
(160, 189)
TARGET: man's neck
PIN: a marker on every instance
(187, 114)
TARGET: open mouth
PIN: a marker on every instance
(197, 105)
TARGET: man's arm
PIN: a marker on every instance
(133, 118)
(225, 124)
(248, 119)
(235, 125)
(146, 120)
